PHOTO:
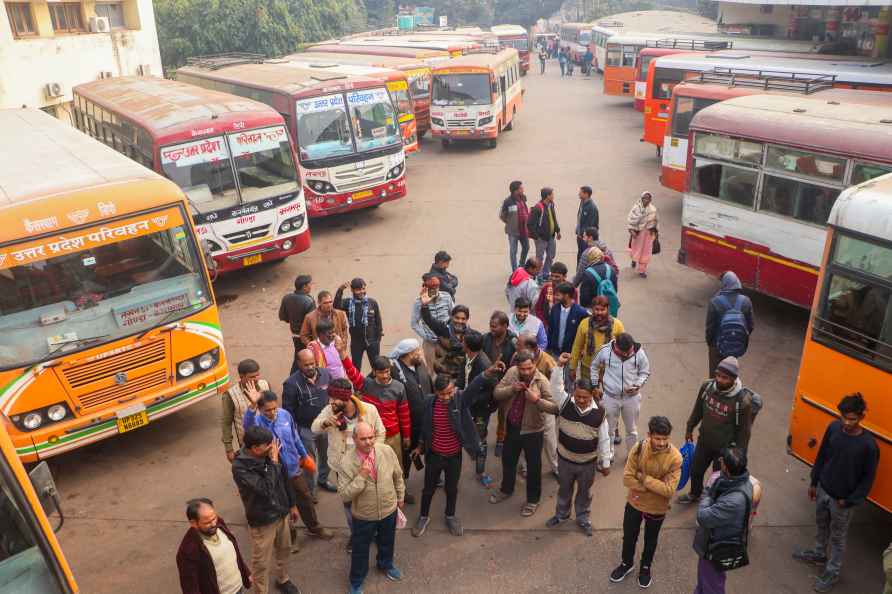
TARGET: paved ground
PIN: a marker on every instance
(124, 498)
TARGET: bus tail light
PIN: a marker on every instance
(202, 362)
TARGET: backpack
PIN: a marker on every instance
(733, 335)
(753, 400)
(606, 288)
(533, 223)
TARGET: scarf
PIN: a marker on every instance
(523, 215)
(642, 217)
(607, 329)
(351, 312)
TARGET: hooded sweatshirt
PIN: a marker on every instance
(731, 289)
(521, 284)
(725, 416)
(721, 514)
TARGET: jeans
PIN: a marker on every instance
(541, 66)
(545, 251)
(513, 242)
(581, 246)
(629, 407)
(583, 476)
(632, 519)
(383, 533)
(317, 446)
(358, 346)
(833, 528)
(710, 579)
(563, 68)
(434, 466)
(531, 446)
(703, 458)
(482, 423)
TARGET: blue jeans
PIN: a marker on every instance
(317, 446)
(383, 533)
(513, 242)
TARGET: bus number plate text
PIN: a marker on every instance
(251, 260)
(362, 195)
(134, 421)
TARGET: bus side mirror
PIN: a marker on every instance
(45, 486)
(209, 261)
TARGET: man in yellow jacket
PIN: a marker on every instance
(594, 332)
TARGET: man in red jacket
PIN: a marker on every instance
(208, 560)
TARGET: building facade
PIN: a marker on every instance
(48, 46)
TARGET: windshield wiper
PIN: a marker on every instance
(167, 317)
(76, 342)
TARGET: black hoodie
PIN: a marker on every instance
(264, 488)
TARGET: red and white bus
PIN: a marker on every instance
(765, 171)
(454, 46)
(232, 157)
(666, 47)
(346, 129)
(517, 37)
(576, 38)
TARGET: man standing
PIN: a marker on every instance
(594, 332)
(841, 479)
(543, 56)
(523, 392)
(440, 307)
(545, 364)
(724, 411)
(304, 395)
(477, 363)
(208, 560)
(449, 356)
(448, 281)
(583, 448)
(294, 308)
(729, 322)
(498, 344)
(723, 515)
(651, 476)
(523, 322)
(544, 229)
(235, 402)
(371, 481)
(408, 367)
(591, 237)
(515, 213)
(325, 349)
(564, 320)
(586, 216)
(363, 318)
(262, 483)
(523, 283)
(548, 293)
(325, 312)
(619, 371)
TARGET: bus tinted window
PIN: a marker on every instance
(614, 55)
(857, 316)
(645, 64)
(664, 81)
(793, 198)
(461, 89)
(863, 256)
(202, 169)
(630, 52)
(865, 171)
(806, 163)
(685, 110)
(726, 182)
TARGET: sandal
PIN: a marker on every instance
(498, 497)
(529, 509)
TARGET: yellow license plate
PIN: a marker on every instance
(461, 132)
(134, 421)
(363, 195)
(255, 259)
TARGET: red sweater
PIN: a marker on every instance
(390, 400)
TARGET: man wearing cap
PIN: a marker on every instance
(408, 367)
(448, 281)
(724, 410)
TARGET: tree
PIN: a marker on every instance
(524, 12)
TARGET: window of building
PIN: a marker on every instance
(20, 20)
(66, 17)
(727, 183)
(797, 199)
(113, 11)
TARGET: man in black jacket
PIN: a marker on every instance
(586, 217)
(478, 363)
(498, 344)
(363, 319)
(294, 308)
(544, 230)
(409, 368)
(269, 500)
(448, 281)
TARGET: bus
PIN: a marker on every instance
(764, 173)
(107, 322)
(31, 560)
(848, 342)
(475, 97)
(576, 39)
(418, 75)
(349, 148)
(397, 83)
(454, 47)
(231, 156)
(424, 55)
(665, 47)
(517, 37)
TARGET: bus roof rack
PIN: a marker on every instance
(609, 23)
(217, 61)
(690, 44)
(794, 82)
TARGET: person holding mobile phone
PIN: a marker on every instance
(235, 402)
(440, 305)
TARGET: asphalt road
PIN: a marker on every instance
(124, 498)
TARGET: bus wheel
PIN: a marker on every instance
(493, 142)
(444, 142)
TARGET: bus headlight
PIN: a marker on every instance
(206, 361)
(186, 368)
(56, 412)
(484, 121)
(32, 421)
(322, 187)
(292, 224)
(202, 362)
(437, 122)
(395, 172)
(214, 246)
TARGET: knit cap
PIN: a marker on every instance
(730, 366)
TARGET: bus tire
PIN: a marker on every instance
(444, 142)
(493, 142)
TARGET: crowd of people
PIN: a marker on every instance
(561, 374)
(552, 50)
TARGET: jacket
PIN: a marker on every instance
(440, 309)
(521, 284)
(575, 317)
(545, 364)
(505, 349)
(264, 488)
(588, 288)
(532, 326)
(725, 418)
(619, 374)
(721, 514)
(541, 306)
(662, 471)
(283, 428)
(731, 288)
(372, 500)
(449, 358)
(533, 414)
(418, 384)
(537, 225)
(582, 355)
(373, 329)
(508, 215)
(337, 439)
(586, 216)
(460, 418)
(196, 568)
(235, 402)
(485, 404)
(305, 400)
(294, 308)
(846, 465)
(338, 318)
(583, 435)
(390, 400)
(448, 281)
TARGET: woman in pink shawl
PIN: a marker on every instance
(642, 222)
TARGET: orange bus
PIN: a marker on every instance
(848, 342)
(476, 97)
(665, 47)
(517, 37)
(107, 319)
(231, 156)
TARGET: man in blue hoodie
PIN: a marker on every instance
(730, 297)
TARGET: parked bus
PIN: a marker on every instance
(576, 39)
(31, 560)
(517, 37)
(475, 97)
(764, 174)
(231, 156)
(454, 47)
(665, 47)
(425, 55)
(848, 342)
(107, 321)
(418, 75)
(601, 32)
(350, 150)
(397, 83)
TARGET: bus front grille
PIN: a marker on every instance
(132, 387)
(80, 376)
(460, 123)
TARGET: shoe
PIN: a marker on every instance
(620, 573)
(809, 556)
(392, 573)
(826, 581)
(554, 521)
(644, 579)
(528, 509)
(322, 533)
(409, 499)
(288, 588)
(498, 497)
(633, 263)
(586, 528)
(454, 525)
(485, 480)
(687, 498)
(498, 451)
(329, 487)
(348, 548)
(355, 590)
(617, 439)
(642, 274)
(420, 526)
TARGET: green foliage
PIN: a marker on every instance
(524, 12)
(708, 8)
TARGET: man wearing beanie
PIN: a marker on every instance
(724, 410)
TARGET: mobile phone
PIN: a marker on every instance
(417, 462)
(432, 292)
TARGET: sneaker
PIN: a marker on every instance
(485, 480)
(323, 533)
(454, 525)
(644, 579)
(642, 274)
(498, 451)
(554, 521)
(288, 588)
(810, 556)
(620, 573)
(617, 439)
(392, 573)
(420, 526)
(586, 528)
(355, 590)
(329, 487)
(688, 498)
(409, 499)
(348, 548)
(826, 581)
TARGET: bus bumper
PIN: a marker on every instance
(474, 134)
(265, 252)
(323, 205)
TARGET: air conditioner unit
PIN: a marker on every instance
(54, 90)
(106, 74)
(144, 70)
(99, 24)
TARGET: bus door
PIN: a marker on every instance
(503, 92)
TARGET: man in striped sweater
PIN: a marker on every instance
(583, 447)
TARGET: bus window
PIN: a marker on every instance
(729, 149)
(857, 317)
(375, 123)
(23, 567)
(202, 169)
(630, 52)
(865, 171)
(685, 110)
(806, 163)
(664, 81)
(800, 200)
(614, 55)
(323, 129)
(263, 163)
(725, 182)
(461, 89)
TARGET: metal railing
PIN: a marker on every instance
(217, 61)
(766, 80)
(702, 45)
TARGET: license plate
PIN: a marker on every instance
(461, 132)
(255, 259)
(363, 195)
(132, 418)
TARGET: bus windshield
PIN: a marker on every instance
(202, 169)
(263, 163)
(685, 110)
(83, 289)
(323, 129)
(403, 100)
(420, 84)
(645, 64)
(461, 89)
(585, 37)
(375, 124)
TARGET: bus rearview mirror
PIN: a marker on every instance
(45, 486)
